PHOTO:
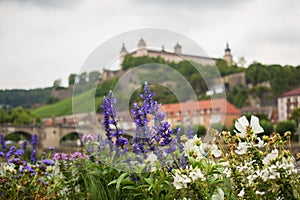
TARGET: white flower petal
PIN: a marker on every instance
(241, 124)
(254, 123)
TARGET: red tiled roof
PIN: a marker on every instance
(291, 93)
(215, 105)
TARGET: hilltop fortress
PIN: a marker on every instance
(175, 56)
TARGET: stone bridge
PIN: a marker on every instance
(48, 135)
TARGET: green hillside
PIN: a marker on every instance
(64, 107)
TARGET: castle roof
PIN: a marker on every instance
(177, 45)
(142, 42)
(174, 54)
(227, 47)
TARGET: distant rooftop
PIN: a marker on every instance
(291, 93)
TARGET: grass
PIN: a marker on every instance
(64, 107)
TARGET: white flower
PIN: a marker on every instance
(181, 181)
(177, 182)
(260, 143)
(227, 172)
(215, 151)
(185, 180)
(218, 195)
(242, 148)
(197, 174)
(151, 158)
(271, 156)
(191, 148)
(264, 174)
(242, 125)
(259, 193)
(242, 192)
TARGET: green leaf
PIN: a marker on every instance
(149, 180)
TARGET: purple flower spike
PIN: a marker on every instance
(24, 145)
(2, 142)
(110, 113)
(19, 152)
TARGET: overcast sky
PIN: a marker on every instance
(43, 40)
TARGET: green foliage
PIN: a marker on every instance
(237, 96)
(130, 61)
(284, 126)
(24, 98)
(227, 70)
(201, 130)
(19, 116)
(18, 136)
(72, 79)
(282, 78)
(52, 100)
(267, 126)
(295, 115)
(261, 116)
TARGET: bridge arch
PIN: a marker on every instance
(18, 135)
(71, 139)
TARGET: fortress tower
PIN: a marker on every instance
(142, 48)
(123, 53)
(227, 56)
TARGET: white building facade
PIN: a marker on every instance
(287, 102)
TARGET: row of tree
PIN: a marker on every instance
(18, 116)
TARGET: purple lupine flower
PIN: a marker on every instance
(162, 130)
(47, 162)
(24, 145)
(33, 156)
(2, 154)
(110, 113)
(149, 106)
(10, 152)
(2, 142)
(34, 142)
(51, 148)
(19, 152)
(140, 114)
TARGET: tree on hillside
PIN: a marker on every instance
(57, 83)
(72, 79)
